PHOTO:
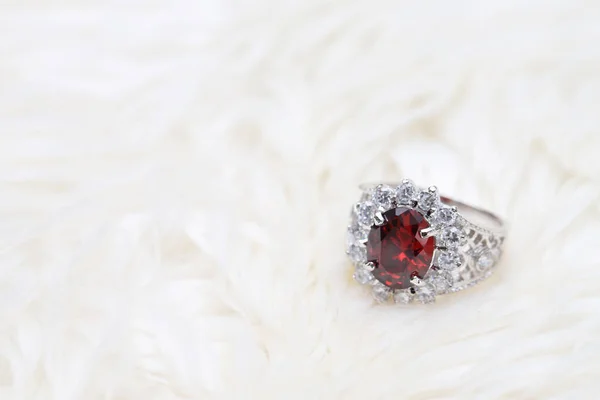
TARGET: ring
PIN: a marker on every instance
(411, 244)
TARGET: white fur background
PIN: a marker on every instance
(176, 176)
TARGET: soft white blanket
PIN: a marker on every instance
(176, 176)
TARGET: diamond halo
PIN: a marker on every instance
(416, 272)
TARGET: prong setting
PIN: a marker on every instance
(428, 232)
(378, 218)
(369, 266)
(415, 280)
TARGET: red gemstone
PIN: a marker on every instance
(397, 248)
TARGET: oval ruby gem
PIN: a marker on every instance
(397, 248)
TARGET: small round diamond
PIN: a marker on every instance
(427, 200)
(381, 293)
(442, 281)
(405, 193)
(357, 253)
(445, 216)
(365, 212)
(451, 237)
(383, 196)
(485, 261)
(362, 276)
(402, 297)
(449, 260)
(357, 234)
(426, 294)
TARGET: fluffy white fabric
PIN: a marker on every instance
(176, 178)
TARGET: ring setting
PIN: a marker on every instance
(411, 245)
